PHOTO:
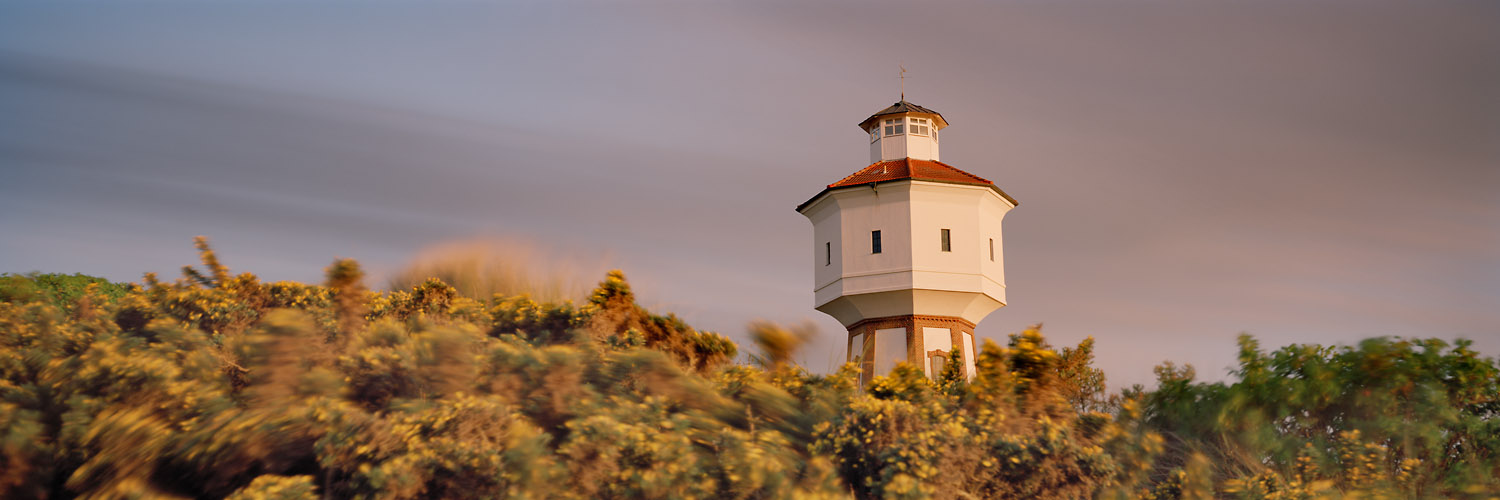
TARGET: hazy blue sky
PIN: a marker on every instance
(1302, 171)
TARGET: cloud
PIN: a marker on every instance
(1309, 172)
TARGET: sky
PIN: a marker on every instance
(1305, 172)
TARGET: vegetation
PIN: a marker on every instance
(216, 386)
(481, 268)
(60, 290)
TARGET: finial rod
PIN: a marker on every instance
(903, 80)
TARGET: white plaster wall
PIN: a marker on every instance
(935, 146)
(851, 214)
(968, 305)
(937, 206)
(826, 223)
(935, 339)
(969, 353)
(992, 211)
(972, 214)
(890, 348)
(866, 209)
(912, 275)
(921, 147)
(891, 148)
(856, 347)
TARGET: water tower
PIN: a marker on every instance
(906, 251)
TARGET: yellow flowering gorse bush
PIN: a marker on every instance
(218, 385)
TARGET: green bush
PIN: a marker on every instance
(218, 385)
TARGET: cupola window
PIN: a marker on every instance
(893, 127)
(920, 126)
(874, 133)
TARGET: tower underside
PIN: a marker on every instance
(971, 307)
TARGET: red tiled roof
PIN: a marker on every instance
(907, 168)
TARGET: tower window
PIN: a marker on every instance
(875, 241)
(874, 133)
(936, 360)
(992, 249)
(827, 253)
(919, 126)
(893, 127)
(947, 243)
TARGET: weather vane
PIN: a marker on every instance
(903, 80)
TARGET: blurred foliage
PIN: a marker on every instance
(218, 385)
(1387, 418)
(480, 268)
(59, 290)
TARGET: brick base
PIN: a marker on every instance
(913, 324)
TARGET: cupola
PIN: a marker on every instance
(904, 130)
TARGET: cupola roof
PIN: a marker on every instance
(903, 107)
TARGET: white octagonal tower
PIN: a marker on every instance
(907, 252)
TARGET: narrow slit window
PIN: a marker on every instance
(875, 241)
(827, 253)
(947, 243)
(992, 249)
